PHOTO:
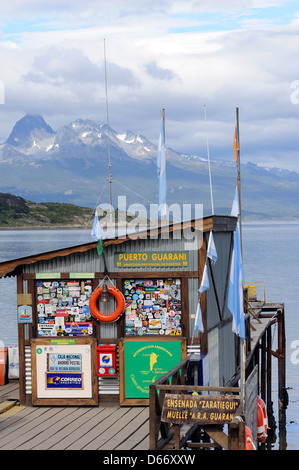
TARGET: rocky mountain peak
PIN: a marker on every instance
(27, 129)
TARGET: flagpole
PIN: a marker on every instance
(161, 166)
(108, 135)
(242, 340)
(209, 163)
(239, 173)
(163, 119)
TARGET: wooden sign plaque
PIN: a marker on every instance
(199, 409)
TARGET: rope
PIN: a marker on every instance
(104, 280)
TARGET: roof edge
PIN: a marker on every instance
(217, 223)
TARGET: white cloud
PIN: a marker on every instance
(53, 64)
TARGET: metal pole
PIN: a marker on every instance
(243, 375)
(108, 136)
(209, 163)
(239, 175)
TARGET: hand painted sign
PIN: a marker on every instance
(151, 258)
(146, 361)
(199, 409)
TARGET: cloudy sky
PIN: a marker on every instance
(184, 56)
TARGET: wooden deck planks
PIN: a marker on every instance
(12, 424)
(63, 437)
(30, 430)
(121, 434)
(73, 428)
(42, 440)
(79, 428)
(10, 391)
(114, 424)
(139, 440)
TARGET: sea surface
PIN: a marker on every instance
(270, 256)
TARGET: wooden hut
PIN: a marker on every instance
(63, 348)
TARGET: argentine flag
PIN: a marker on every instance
(97, 233)
(235, 301)
(235, 212)
(212, 253)
(205, 285)
(198, 326)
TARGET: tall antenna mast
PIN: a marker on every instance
(108, 130)
(211, 189)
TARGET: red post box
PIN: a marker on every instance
(106, 359)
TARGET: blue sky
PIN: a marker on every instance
(177, 55)
(229, 20)
(214, 18)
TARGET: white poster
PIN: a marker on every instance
(63, 371)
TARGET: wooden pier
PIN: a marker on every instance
(131, 428)
(261, 318)
(70, 428)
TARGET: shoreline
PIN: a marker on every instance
(49, 227)
(79, 227)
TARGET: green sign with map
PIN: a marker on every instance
(146, 361)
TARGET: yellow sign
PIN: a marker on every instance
(47, 275)
(151, 258)
(199, 409)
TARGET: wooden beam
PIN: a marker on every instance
(216, 433)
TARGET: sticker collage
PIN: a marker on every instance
(63, 308)
(153, 307)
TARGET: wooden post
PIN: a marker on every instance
(152, 417)
(177, 436)
(21, 341)
(263, 367)
(269, 373)
(281, 367)
(236, 435)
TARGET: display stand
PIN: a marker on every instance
(64, 371)
(142, 361)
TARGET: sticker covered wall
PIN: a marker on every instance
(63, 307)
(153, 307)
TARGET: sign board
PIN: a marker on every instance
(24, 299)
(151, 258)
(199, 409)
(64, 373)
(143, 362)
(63, 307)
(47, 275)
(25, 314)
(153, 307)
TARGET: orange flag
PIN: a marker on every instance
(236, 145)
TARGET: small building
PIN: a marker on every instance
(68, 356)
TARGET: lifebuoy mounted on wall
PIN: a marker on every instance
(262, 421)
(117, 312)
(249, 445)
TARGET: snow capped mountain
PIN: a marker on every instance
(31, 135)
(71, 165)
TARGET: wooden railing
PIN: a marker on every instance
(163, 434)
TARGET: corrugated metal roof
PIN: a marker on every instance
(85, 253)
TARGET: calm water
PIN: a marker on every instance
(270, 253)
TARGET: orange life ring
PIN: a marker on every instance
(262, 421)
(112, 316)
(248, 439)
